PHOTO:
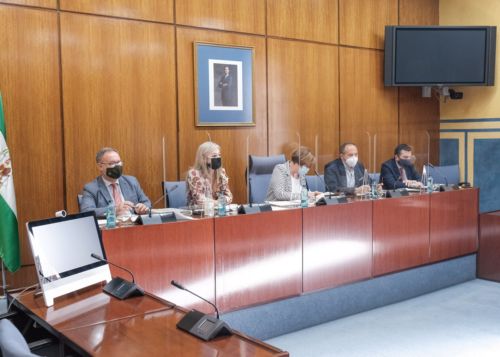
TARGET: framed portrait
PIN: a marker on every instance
(223, 85)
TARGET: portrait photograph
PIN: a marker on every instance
(223, 85)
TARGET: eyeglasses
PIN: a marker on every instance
(113, 163)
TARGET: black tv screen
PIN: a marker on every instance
(439, 55)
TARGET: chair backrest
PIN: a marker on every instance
(12, 341)
(175, 194)
(79, 199)
(315, 183)
(444, 174)
(261, 169)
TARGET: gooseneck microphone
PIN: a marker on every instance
(327, 189)
(119, 287)
(179, 286)
(158, 200)
(199, 324)
(98, 257)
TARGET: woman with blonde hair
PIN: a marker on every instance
(207, 178)
(289, 178)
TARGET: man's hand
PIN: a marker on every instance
(141, 208)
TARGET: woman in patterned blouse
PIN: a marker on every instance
(207, 178)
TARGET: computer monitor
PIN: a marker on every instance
(61, 250)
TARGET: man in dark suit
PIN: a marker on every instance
(400, 172)
(227, 90)
(345, 174)
(111, 186)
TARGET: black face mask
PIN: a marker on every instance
(215, 163)
(405, 162)
(114, 172)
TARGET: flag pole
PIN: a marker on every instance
(3, 298)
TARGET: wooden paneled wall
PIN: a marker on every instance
(77, 75)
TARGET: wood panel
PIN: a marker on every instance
(258, 258)
(400, 233)
(362, 22)
(303, 19)
(419, 124)
(29, 83)
(119, 91)
(25, 276)
(489, 246)
(453, 224)
(231, 139)
(152, 10)
(421, 12)
(303, 97)
(231, 15)
(337, 245)
(38, 3)
(366, 106)
(158, 254)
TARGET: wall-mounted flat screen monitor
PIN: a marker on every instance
(440, 55)
(62, 249)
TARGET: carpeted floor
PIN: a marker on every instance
(463, 320)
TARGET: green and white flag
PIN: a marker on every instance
(9, 235)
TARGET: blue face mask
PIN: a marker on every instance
(303, 170)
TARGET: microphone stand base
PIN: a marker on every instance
(203, 326)
(122, 289)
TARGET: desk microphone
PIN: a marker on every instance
(119, 287)
(159, 199)
(327, 189)
(199, 324)
(179, 286)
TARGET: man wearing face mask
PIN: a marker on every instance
(400, 172)
(111, 186)
(288, 178)
(346, 173)
(207, 179)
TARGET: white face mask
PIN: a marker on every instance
(352, 161)
(303, 170)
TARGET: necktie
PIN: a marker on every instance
(116, 194)
(402, 174)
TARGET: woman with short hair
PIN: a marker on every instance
(289, 178)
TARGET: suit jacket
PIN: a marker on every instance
(390, 176)
(96, 196)
(280, 187)
(336, 177)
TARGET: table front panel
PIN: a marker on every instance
(337, 244)
(258, 258)
(400, 233)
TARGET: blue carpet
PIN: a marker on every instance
(460, 321)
